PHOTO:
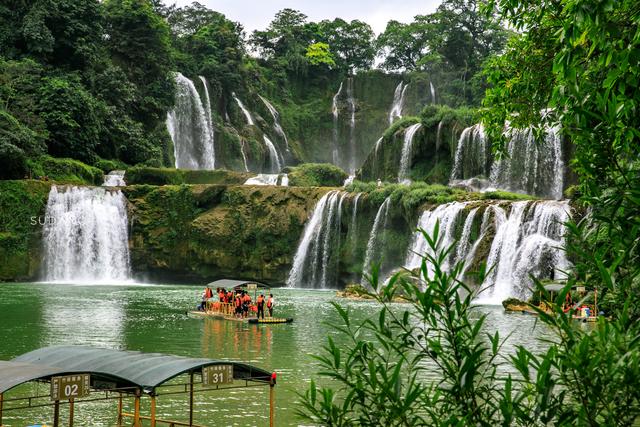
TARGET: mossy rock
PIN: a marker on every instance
(65, 171)
(168, 176)
(316, 175)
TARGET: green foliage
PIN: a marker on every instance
(13, 160)
(319, 54)
(107, 166)
(316, 175)
(505, 195)
(164, 176)
(65, 171)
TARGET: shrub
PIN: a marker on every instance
(316, 175)
(13, 160)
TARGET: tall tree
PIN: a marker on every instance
(351, 43)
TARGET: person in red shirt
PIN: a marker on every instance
(260, 303)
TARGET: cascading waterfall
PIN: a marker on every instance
(114, 179)
(541, 161)
(244, 155)
(315, 264)
(268, 179)
(275, 160)
(352, 127)
(85, 236)
(405, 156)
(335, 111)
(376, 239)
(398, 102)
(472, 154)
(353, 235)
(189, 128)
(527, 239)
(246, 112)
(209, 117)
(433, 93)
(276, 121)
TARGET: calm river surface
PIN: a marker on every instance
(151, 318)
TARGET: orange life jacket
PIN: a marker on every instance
(269, 302)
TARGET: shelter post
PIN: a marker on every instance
(191, 399)
(0, 409)
(153, 410)
(120, 409)
(71, 410)
(56, 413)
(272, 401)
(136, 411)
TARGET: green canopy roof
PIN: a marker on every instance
(232, 283)
(144, 370)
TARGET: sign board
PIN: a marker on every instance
(252, 286)
(217, 374)
(70, 386)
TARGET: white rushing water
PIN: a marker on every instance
(244, 155)
(405, 156)
(351, 101)
(433, 92)
(114, 179)
(276, 121)
(398, 102)
(530, 166)
(86, 236)
(376, 240)
(526, 239)
(246, 112)
(269, 179)
(190, 128)
(315, 264)
(209, 117)
(275, 160)
(335, 111)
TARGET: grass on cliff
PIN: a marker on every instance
(64, 171)
(316, 175)
(169, 176)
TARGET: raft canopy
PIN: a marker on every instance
(122, 369)
(236, 284)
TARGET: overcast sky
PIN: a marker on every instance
(256, 14)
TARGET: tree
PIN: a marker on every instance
(319, 54)
(351, 43)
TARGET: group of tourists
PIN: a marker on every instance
(237, 303)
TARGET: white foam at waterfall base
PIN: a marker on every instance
(405, 156)
(189, 128)
(268, 179)
(315, 262)
(85, 236)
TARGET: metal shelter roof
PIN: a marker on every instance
(144, 370)
(232, 283)
(555, 287)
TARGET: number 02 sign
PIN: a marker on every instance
(217, 374)
(70, 387)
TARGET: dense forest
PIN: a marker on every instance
(93, 81)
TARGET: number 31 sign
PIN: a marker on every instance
(70, 387)
(217, 374)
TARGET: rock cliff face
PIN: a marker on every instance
(203, 232)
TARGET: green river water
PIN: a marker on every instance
(151, 318)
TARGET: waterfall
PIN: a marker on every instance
(526, 239)
(246, 112)
(85, 237)
(315, 264)
(335, 111)
(405, 157)
(398, 102)
(542, 161)
(276, 121)
(268, 179)
(376, 239)
(189, 128)
(244, 155)
(353, 235)
(447, 214)
(209, 117)
(530, 166)
(274, 156)
(433, 93)
(352, 126)
(114, 179)
(472, 154)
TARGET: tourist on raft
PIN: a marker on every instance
(270, 303)
(206, 294)
(260, 303)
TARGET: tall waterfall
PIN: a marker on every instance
(209, 117)
(398, 102)
(276, 121)
(246, 112)
(315, 264)
(540, 160)
(352, 127)
(405, 156)
(335, 111)
(526, 239)
(85, 236)
(376, 239)
(190, 129)
(244, 155)
(275, 159)
(530, 166)
(472, 154)
(433, 92)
